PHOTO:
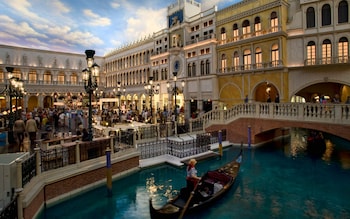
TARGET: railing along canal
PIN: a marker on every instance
(306, 112)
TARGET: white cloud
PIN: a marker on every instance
(59, 6)
(59, 41)
(96, 20)
(6, 19)
(36, 42)
(82, 38)
(206, 4)
(22, 8)
(115, 4)
(22, 29)
(8, 37)
(142, 24)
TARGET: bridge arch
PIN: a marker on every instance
(311, 92)
(263, 130)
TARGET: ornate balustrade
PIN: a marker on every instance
(306, 112)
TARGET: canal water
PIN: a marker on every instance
(277, 180)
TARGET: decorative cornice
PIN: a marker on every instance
(248, 13)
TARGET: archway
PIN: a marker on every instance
(266, 92)
(48, 102)
(32, 103)
(230, 95)
(327, 91)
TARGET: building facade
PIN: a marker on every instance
(251, 52)
(318, 50)
(47, 76)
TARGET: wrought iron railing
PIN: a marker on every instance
(28, 169)
(10, 211)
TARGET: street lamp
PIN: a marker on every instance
(13, 89)
(151, 90)
(90, 75)
(118, 94)
(173, 90)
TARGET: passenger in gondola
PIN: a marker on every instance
(205, 192)
(192, 179)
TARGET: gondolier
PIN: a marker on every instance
(191, 177)
(215, 183)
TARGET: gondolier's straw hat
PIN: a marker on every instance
(192, 161)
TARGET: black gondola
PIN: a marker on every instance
(212, 186)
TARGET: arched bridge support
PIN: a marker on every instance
(263, 130)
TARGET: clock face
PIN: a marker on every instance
(177, 65)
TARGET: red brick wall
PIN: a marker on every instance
(266, 129)
(64, 186)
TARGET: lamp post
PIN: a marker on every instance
(13, 89)
(90, 75)
(118, 93)
(151, 90)
(173, 91)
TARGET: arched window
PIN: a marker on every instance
(207, 67)
(194, 69)
(275, 55)
(236, 61)
(257, 26)
(61, 78)
(223, 35)
(311, 53)
(235, 32)
(326, 52)
(32, 76)
(258, 57)
(162, 74)
(247, 59)
(223, 63)
(246, 29)
(310, 17)
(343, 12)
(189, 70)
(274, 22)
(202, 67)
(47, 77)
(326, 15)
(343, 50)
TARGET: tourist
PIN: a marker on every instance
(85, 135)
(31, 129)
(268, 99)
(277, 98)
(246, 99)
(18, 130)
(192, 179)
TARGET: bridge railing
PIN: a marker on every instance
(307, 112)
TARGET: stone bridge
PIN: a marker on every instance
(259, 122)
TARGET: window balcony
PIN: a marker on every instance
(327, 61)
(243, 69)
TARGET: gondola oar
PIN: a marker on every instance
(189, 200)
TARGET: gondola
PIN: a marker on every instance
(212, 186)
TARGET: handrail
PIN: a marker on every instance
(306, 112)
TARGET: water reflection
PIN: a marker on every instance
(298, 142)
(329, 150)
(275, 181)
(160, 191)
(302, 142)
